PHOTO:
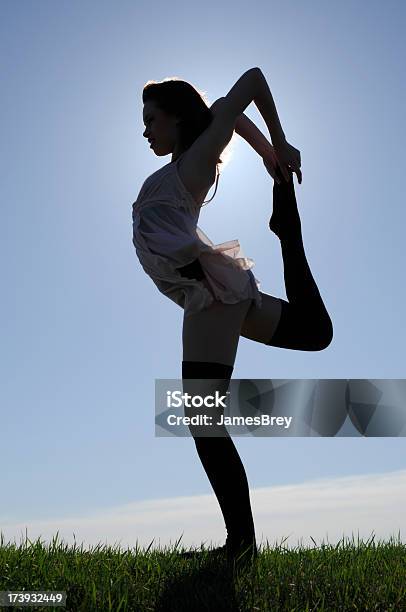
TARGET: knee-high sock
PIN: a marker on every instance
(301, 288)
(223, 466)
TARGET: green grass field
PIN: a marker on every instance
(348, 576)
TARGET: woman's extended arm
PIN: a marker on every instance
(252, 86)
(249, 131)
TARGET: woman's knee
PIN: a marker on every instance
(301, 328)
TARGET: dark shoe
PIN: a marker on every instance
(285, 219)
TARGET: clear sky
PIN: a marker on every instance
(85, 332)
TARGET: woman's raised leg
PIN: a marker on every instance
(302, 322)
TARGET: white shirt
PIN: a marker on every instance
(166, 237)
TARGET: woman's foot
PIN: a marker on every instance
(243, 553)
(239, 554)
(285, 219)
(221, 551)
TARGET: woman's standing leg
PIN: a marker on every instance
(210, 341)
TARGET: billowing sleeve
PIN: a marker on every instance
(171, 233)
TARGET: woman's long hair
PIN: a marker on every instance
(181, 99)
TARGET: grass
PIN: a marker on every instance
(348, 576)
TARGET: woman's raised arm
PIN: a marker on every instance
(253, 135)
(252, 87)
(247, 129)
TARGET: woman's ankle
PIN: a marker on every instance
(285, 220)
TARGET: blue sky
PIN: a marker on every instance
(86, 333)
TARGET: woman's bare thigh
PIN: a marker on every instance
(213, 333)
(260, 323)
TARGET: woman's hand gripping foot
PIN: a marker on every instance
(281, 159)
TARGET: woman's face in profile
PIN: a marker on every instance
(160, 129)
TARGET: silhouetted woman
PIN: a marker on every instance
(214, 284)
